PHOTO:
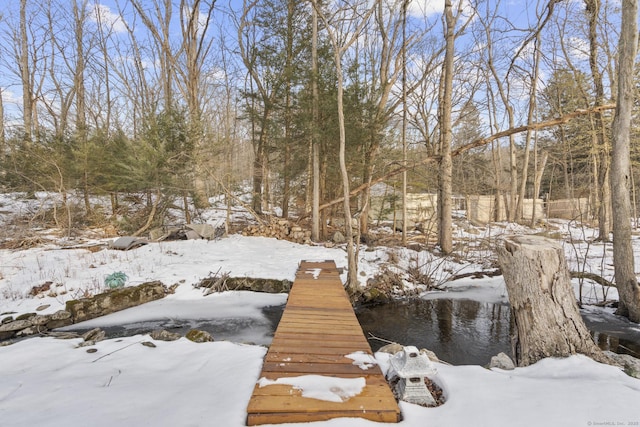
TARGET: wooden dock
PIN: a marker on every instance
(317, 331)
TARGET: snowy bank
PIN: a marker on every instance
(48, 382)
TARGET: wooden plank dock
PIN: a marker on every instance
(317, 331)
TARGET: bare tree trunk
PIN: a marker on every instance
(288, 119)
(3, 141)
(315, 144)
(530, 116)
(543, 304)
(338, 51)
(623, 257)
(195, 47)
(352, 262)
(445, 222)
(405, 5)
(79, 17)
(602, 146)
(25, 74)
(504, 97)
(537, 181)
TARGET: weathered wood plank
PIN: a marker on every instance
(318, 368)
(379, 390)
(284, 356)
(379, 416)
(318, 329)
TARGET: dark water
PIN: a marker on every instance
(464, 332)
(459, 331)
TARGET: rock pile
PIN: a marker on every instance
(115, 300)
(33, 323)
(81, 310)
(279, 228)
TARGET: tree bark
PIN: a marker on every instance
(599, 137)
(623, 259)
(25, 74)
(543, 304)
(445, 221)
(315, 143)
(2, 136)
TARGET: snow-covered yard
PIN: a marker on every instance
(121, 382)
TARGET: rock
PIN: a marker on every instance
(43, 307)
(26, 316)
(94, 335)
(58, 319)
(430, 354)
(27, 331)
(392, 348)
(63, 335)
(6, 335)
(149, 344)
(92, 350)
(114, 300)
(199, 336)
(7, 319)
(502, 361)
(375, 296)
(16, 325)
(205, 231)
(53, 324)
(629, 364)
(60, 315)
(40, 320)
(163, 335)
(338, 238)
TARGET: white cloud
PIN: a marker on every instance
(578, 48)
(9, 97)
(427, 8)
(102, 15)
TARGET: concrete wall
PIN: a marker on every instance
(421, 208)
(569, 208)
(482, 209)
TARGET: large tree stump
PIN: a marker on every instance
(543, 304)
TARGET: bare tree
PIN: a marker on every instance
(3, 141)
(25, 73)
(503, 86)
(623, 256)
(158, 22)
(195, 47)
(343, 32)
(315, 143)
(600, 140)
(530, 119)
(445, 222)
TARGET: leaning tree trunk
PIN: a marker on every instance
(543, 305)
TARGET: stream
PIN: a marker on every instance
(459, 331)
(465, 332)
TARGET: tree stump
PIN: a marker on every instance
(543, 304)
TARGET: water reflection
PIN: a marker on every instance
(470, 332)
(459, 331)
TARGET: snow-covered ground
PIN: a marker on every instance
(53, 382)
